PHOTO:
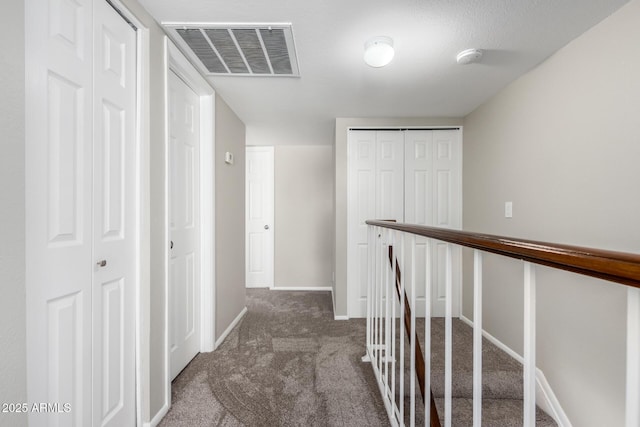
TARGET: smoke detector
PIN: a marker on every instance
(469, 56)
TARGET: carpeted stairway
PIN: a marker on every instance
(288, 363)
(502, 390)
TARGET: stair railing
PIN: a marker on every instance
(385, 354)
(409, 326)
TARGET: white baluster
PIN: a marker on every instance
(427, 334)
(374, 299)
(402, 312)
(412, 393)
(633, 358)
(370, 278)
(448, 343)
(477, 338)
(379, 302)
(529, 345)
(393, 323)
(387, 323)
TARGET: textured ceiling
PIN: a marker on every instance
(422, 80)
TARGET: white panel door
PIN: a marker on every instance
(433, 198)
(410, 176)
(184, 282)
(389, 175)
(259, 217)
(59, 259)
(361, 207)
(81, 166)
(447, 213)
(376, 191)
(419, 203)
(114, 234)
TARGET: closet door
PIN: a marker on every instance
(418, 203)
(361, 207)
(389, 185)
(376, 191)
(114, 230)
(58, 155)
(433, 198)
(80, 176)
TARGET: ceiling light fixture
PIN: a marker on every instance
(378, 51)
(469, 56)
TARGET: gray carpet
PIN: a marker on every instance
(288, 363)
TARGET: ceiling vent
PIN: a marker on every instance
(238, 49)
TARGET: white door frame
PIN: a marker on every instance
(176, 62)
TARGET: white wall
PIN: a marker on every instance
(13, 380)
(563, 143)
(303, 215)
(340, 189)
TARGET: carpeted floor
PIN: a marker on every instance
(288, 363)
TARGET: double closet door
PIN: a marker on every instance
(81, 229)
(411, 176)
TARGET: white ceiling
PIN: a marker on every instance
(423, 80)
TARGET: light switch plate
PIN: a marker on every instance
(228, 158)
(508, 209)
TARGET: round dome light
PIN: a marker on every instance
(378, 51)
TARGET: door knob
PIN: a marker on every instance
(266, 227)
(171, 245)
(102, 263)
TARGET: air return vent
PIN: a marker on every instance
(238, 49)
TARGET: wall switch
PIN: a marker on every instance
(508, 209)
(228, 158)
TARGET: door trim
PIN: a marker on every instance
(176, 62)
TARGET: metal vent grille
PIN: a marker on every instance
(238, 49)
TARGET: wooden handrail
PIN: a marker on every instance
(419, 357)
(619, 267)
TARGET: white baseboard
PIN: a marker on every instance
(313, 288)
(158, 417)
(544, 394)
(495, 341)
(227, 331)
(302, 288)
(545, 397)
(335, 316)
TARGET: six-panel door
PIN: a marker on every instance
(184, 214)
(80, 233)
(409, 176)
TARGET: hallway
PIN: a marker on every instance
(287, 363)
